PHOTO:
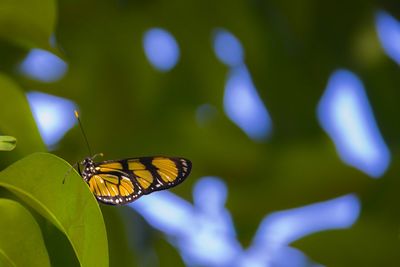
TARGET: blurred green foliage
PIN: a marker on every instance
(28, 23)
(130, 109)
(16, 120)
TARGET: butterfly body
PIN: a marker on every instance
(88, 169)
(118, 182)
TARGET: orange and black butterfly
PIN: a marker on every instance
(118, 182)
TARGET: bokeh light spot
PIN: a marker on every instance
(228, 48)
(43, 66)
(284, 227)
(161, 49)
(389, 34)
(205, 114)
(244, 106)
(53, 115)
(345, 114)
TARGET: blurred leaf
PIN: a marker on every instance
(29, 23)
(16, 119)
(59, 248)
(21, 241)
(120, 251)
(7, 143)
(71, 207)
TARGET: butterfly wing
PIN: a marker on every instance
(158, 173)
(118, 182)
(113, 188)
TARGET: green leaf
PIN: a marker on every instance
(20, 233)
(29, 23)
(70, 206)
(7, 143)
(5, 260)
(16, 119)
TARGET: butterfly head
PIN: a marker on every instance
(89, 168)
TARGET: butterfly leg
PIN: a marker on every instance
(73, 166)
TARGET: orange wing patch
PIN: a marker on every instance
(97, 186)
(167, 169)
(141, 173)
(126, 187)
(144, 177)
(135, 165)
(112, 165)
(107, 185)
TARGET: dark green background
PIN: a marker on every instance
(130, 109)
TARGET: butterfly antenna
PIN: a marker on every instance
(83, 132)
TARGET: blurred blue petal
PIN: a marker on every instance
(277, 256)
(53, 115)
(203, 233)
(165, 212)
(345, 114)
(210, 194)
(213, 242)
(43, 66)
(284, 227)
(389, 34)
(244, 106)
(228, 48)
(161, 49)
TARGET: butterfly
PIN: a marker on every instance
(118, 182)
